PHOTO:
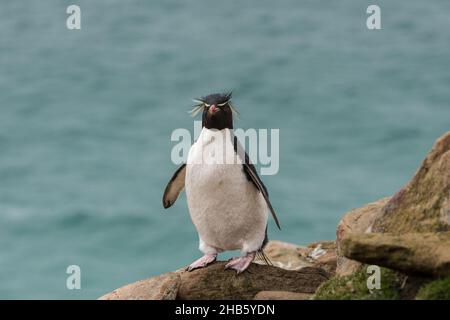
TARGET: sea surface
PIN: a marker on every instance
(86, 118)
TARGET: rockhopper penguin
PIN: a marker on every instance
(227, 201)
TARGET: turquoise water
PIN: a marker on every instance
(86, 118)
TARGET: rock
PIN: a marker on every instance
(412, 253)
(163, 287)
(288, 256)
(214, 282)
(285, 255)
(282, 295)
(423, 205)
(323, 255)
(354, 287)
(356, 221)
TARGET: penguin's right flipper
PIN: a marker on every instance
(174, 187)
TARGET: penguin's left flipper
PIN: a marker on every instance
(174, 187)
(252, 175)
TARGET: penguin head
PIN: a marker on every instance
(217, 111)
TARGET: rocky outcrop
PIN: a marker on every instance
(296, 273)
(423, 205)
(214, 282)
(411, 253)
(356, 221)
(163, 287)
(408, 231)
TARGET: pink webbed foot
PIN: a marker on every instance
(202, 262)
(240, 264)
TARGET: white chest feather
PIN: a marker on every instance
(226, 208)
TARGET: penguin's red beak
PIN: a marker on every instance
(213, 109)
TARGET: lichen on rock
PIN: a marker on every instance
(354, 287)
(423, 204)
(436, 290)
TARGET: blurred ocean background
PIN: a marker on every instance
(86, 118)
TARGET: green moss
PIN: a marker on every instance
(435, 290)
(354, 287)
